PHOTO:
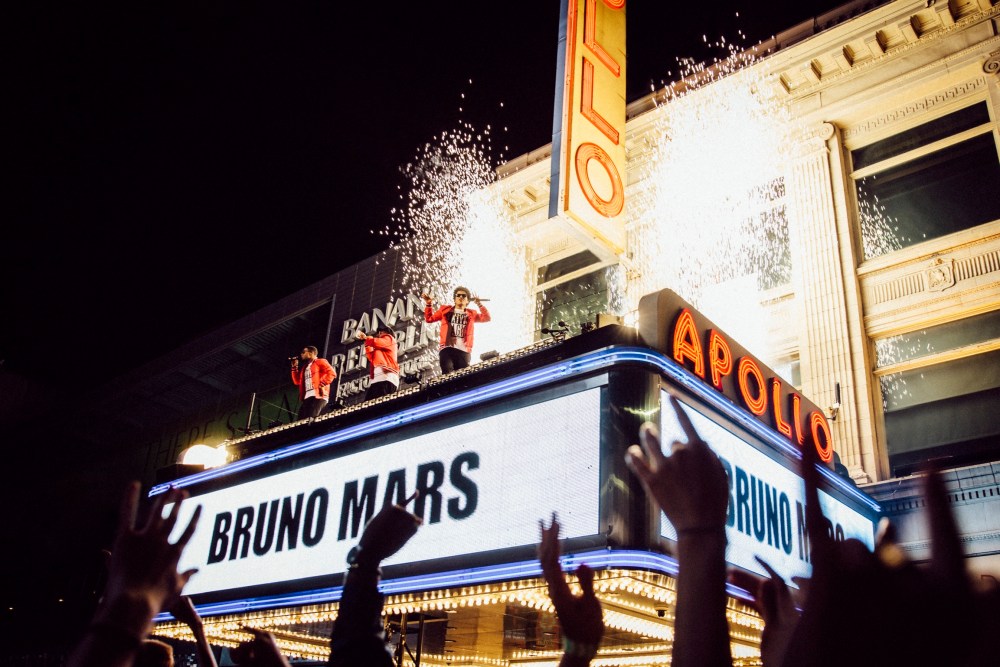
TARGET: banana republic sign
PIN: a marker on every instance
(414, 339)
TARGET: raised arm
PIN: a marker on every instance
(142, 579)
(690, 487)
(358, 637)
(580, 617)
(484, 314)
(183, 610)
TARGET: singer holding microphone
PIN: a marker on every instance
(457, 327)
(313, 381)
(383, 368)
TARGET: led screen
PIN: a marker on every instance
(486, 484)
(766, 502)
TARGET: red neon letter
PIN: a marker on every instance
(797, 418)
(817, 423)
(720, 359)
(609, 208)
(779, 423)
(686, 343)
(758, 403)
(590, 35)
(587, 104)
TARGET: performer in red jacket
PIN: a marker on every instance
(313, 381)
(457, 328)
(383, 369)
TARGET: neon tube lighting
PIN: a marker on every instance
(598, 560)
(581, 365)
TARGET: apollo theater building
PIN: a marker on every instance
(879, 303)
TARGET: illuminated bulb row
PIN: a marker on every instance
(744, 651)
(635, 607)
(745, 620)
(471, 596)
(535, 653)
(463, 661)
(231, 639)
(621, 621)
(599, 661)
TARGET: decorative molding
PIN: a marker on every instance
(990, 289)
(912, 283)
(812, 139)
(942, 273)
(919, 106)
(941, 276)
(992, 64)
(923, 546)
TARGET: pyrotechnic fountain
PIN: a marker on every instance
(707, 217)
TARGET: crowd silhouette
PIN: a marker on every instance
(859, 607)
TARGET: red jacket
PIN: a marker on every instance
(381, 351)
(444, 313)
(322, 375)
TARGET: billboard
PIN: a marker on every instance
(766, 515)
(484, 485)
(588, 146)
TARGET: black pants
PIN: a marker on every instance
(311, 407)
(453, 359)
(378, 389)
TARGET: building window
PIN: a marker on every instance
(575, 301)
(771, 258)
(933, 180)
(565, 266)
(940, 388)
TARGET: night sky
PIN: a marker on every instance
(179, 165)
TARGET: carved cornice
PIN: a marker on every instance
(862, 52)
(919, 106)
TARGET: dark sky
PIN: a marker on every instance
(180, 164)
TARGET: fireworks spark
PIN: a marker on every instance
(709, 220)
(453, 228)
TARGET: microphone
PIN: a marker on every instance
(479, 298)
(563, 329)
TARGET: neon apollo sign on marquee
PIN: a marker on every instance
(484, 486)
(670, 324)
(766, 514)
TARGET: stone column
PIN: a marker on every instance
(833, 345)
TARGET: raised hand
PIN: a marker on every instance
(260, 651)
(182, 608)
(580, 617)
(689, 485)
(142, 580)
(774, 602)
(387, 532)
(143, 564)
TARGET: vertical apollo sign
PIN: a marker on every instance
(588, 135)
